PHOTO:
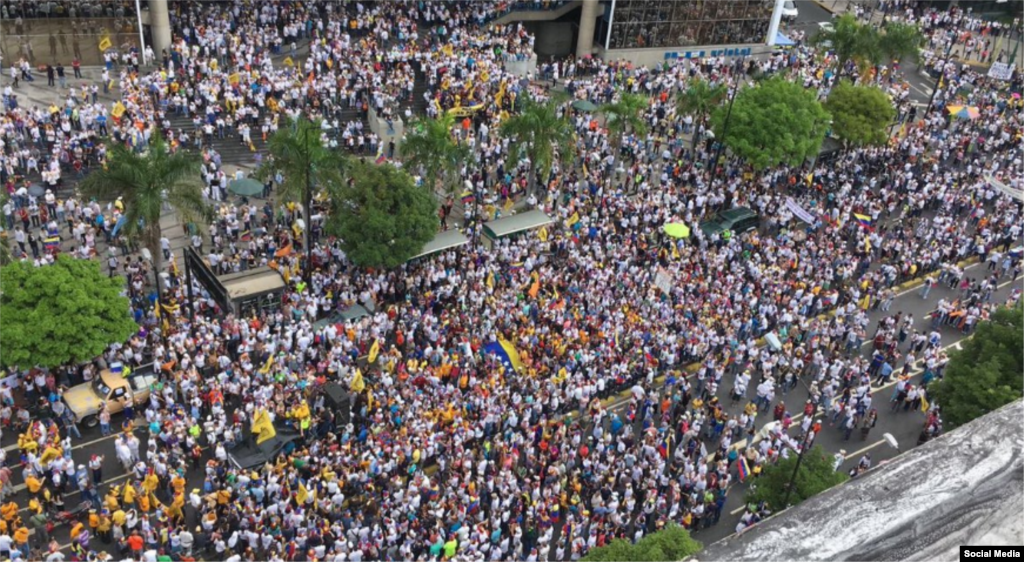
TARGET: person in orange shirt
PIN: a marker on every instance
(135, 544)
(21, 540)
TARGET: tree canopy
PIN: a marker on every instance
(667, 545)
(296, 148)
(815, 476)
(866, 44)
(381, 217)
(430, 145)
(774, 122)
(541, 133)
(145, 181)
(984, 374)
(626, 115)
(65, 312)
(699, 99)
(860, 114)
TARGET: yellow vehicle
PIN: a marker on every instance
(111, 389)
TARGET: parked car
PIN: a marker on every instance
(112, 389)
(736, 221)
(789, 10)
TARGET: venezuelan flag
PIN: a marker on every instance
(506, 353)
(864, 221)
(743, 469)
(380, 154)
(52, 243)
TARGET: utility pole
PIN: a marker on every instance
(799, 459)
(725, 131)
(191, 297)
(945, 61)
(307, 204)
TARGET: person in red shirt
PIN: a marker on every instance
(135, 543)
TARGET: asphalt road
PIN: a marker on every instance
(904, 426)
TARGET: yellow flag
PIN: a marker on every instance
(288, 61)
(303, 494)
(234, 79)
(490, 280)
(118, 110)
(543, 234)
(924, 404)
(374, 351)
(357, 384)
(105, 43)
(575, 218)
(262, 426)
(266, 367)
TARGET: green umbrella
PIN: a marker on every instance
(677, 230)
(584, 105)
(246, 187)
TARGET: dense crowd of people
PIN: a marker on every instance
(449, 450)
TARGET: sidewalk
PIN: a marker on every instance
(37, 93)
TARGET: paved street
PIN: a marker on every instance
(905, 427)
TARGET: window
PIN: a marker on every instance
(683, 23)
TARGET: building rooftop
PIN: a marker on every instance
(966, 487)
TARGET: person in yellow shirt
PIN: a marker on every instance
(129, 495)
(104, 526)
(21, 537)
(34, 484)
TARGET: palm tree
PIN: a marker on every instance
(699, 99)
(537, 131)
(304, 162)
(849, 40)
(430, 146)
(144, 181)
(625, 116)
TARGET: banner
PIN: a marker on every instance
(663, 280)
(105, 43)
(1000, 71)
(118, 110)
(799, 211)
(1014, 192)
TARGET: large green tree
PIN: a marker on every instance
(815, 476)
(667, 545)
(671, 543)
(699, 99)
(985, 373)
(306, 165)
(430, 146)
(65, 312)
(381, 217)
(860, 114)
(775, 122)
(542, 133)
(145, 181)
(900, 41)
